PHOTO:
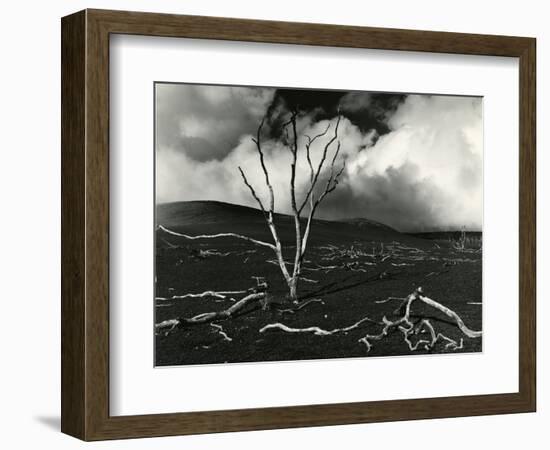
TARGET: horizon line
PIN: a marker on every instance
(434, 230)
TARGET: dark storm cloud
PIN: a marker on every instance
(413, 162)
(371, 110)
(368, 111)
(206, 122)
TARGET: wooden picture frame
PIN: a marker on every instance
(85, 224)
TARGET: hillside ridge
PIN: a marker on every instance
(212, 217)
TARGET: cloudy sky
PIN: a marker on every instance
(413, 162)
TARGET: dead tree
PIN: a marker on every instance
(460, 243)
(312, 199)
(404, 324)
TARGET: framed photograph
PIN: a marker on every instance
(272, 225)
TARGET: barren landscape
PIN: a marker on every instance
(358, 276)
(303, 224)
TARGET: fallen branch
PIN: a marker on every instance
(213, 252)
(169, 244)
(320, 268)
(219, 330)
(309, 280)
(220, 294)
(449, 313)
(390, 298)
(435, 337)
(245, 252)
(209, 317)
(376, 337)
(219, 235)
(436, 273)
(317, 331)
(409, 329)
(301, 306)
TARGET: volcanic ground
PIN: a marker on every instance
(353, 269)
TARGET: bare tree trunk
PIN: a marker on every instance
(301, 240)
(298, 231)
(294, 289)
(268, 213)
(278, 247)
(311, 199)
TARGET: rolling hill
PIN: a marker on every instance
(210, 217)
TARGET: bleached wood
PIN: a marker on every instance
(405, 325)
(314, 329)
(208, 317)
(219, 294)
(216, 236)
(219, 329)
(451, 314)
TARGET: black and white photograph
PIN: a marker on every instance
(306, 224)
(275, 225)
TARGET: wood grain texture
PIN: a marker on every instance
(73, 269)
(85, 224)
(527, 224)
(152, 24)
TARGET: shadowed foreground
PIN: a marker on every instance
(353, 270)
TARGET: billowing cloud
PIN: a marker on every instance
(206, 122)
(424, 173)
(427, 171)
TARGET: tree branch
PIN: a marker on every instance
(294, 151)
(268, 214)
(264, 168)
(310, 141)
(219, 235)
(408, 329)
(297, 225)
(208, 317)
(331, 185)
(315, 330)
(214, 294)
(252, 191)
(315, 178)
(451, 314)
